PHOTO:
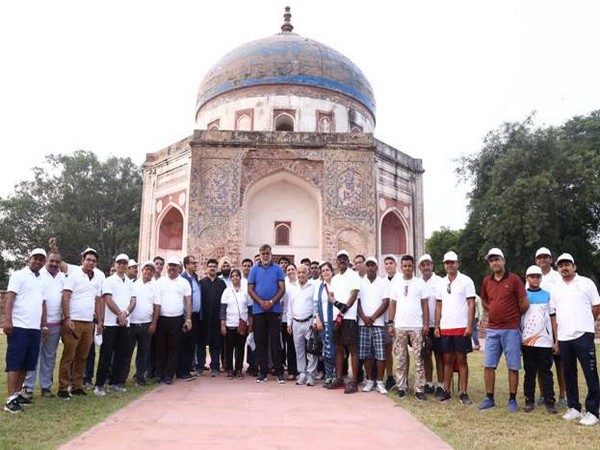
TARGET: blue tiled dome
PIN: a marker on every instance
(286, 58)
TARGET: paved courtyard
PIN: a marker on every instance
(229, 414)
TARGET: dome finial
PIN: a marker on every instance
(287, 26)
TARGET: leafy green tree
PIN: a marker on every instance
(440, 242)
(79, 200)
(534, 187)
(4, 266)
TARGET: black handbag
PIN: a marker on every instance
(314, 345)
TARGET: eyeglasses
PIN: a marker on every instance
(449, 288)
(406, 290)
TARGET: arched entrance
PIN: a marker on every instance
(284, 211)
(170, 232)
(394, 239)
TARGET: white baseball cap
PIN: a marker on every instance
(450, 256)
(122, 257)
(173, 260)
(132, 263)
(89, 250)
(495, 251)
(342, 253)
(149, 264)
(392, 257)
(372, 259)
(37, 251)
(565, 257)
(425, 257)
(533, 270)
(543, 251)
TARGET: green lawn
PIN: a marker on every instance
(464, 427)
(51, 422)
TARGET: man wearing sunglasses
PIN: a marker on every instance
(454, 315)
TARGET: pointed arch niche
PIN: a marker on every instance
(283, 199)
(394, 236)
(170, 230)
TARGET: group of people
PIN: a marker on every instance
(316, 320)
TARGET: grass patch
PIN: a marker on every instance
(464, 427)
(50, 422)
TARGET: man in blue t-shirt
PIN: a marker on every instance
(266, 286)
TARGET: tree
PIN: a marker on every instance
(440, 242)
(79, 200)
(535, 187)
(4, 266)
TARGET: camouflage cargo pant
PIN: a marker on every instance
(401, 341)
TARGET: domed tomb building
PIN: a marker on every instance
(284, 154)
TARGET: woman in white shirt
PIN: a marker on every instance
(235, 310)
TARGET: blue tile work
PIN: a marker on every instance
(286, 59)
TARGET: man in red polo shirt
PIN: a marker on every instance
(503, 295)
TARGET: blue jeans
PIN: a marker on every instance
(503, 341)
(46, 362)
(584, 350)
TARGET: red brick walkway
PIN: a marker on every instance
(220, 413)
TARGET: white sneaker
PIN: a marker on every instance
(381, 387)
(301, 380)
(588, 419)
(310, 381)
(572, 414)
(99, 392)
(369, 385)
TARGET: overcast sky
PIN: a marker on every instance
(120, 77)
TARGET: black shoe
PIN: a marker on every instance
(261, 379)
(168, 381)
(551, 409)
(13, 406)
(444, 396)
(439, 391)
(390, 383)
(158, 380)
(529, 406)
(64, 395)
(464, 399)
(24, 401)
(280, 379)
(429, 389)
(140, 382)
(401, 393)
(47, 394)
(78, 392)
(420, 396)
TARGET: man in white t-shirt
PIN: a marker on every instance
(576, 304)
(119, 302)
(408, 323)
(25, 316)
(175, 298)
(145, 291)
(543, 259)
(81, 300)
(372, 304)
(344, 288)
(432, 282)
(392, 275)
(54, 281)
(454, 315)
